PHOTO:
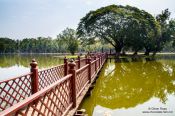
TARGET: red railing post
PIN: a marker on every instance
(72, 71)
(79, 62)
(102, 59)
(99, 60)
(106, 55)
(95, 63)
(65, 66)
(86, 57)
(89, 73)
(34, 76)
(102, 49)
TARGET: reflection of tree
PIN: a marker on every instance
(131, 84)
(24, 60)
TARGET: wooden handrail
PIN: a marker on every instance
(18, 106)
(44, 77)
(13, 78)
(77, 71)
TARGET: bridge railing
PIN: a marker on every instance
(57, 92)
(53, 100)
(50, 75)
(14, 90)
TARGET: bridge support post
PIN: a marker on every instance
(107, 55)
(86, 57)
(99, 61)
(79, 62)
(34, 76)
(72, 71)
(89, 74)
(95, 64)
(65, 66)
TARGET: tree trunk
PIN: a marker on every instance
(147, 52)
(154, 53)
(123, 53)
(117, 55)
(135, 53)
(118, 50)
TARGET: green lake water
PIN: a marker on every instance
(141, 87)
(15, 65)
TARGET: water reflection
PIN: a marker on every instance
(15, 65)
(44, 60)
(129, 84)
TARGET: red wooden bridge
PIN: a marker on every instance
(56, 91)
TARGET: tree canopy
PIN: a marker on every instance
(121, 26)
(70, 39)
(165, 33)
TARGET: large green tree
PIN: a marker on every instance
(165, 32)
(120, 26)
(172, 30)
(70, 39)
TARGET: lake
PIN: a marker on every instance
(134, 87)
(15, 65)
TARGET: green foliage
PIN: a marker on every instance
(73, 47)
(121, 26)
(96, 46)
(7, 45)
(171, 30)
(166, 30)
(163, 17)
(66, 41)
(38, 45)
(70, 39)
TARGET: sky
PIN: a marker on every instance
(21, 19)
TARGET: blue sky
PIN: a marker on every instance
(33, 18)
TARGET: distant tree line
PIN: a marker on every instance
(7, 45)
(30, 45)
(66, 41)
